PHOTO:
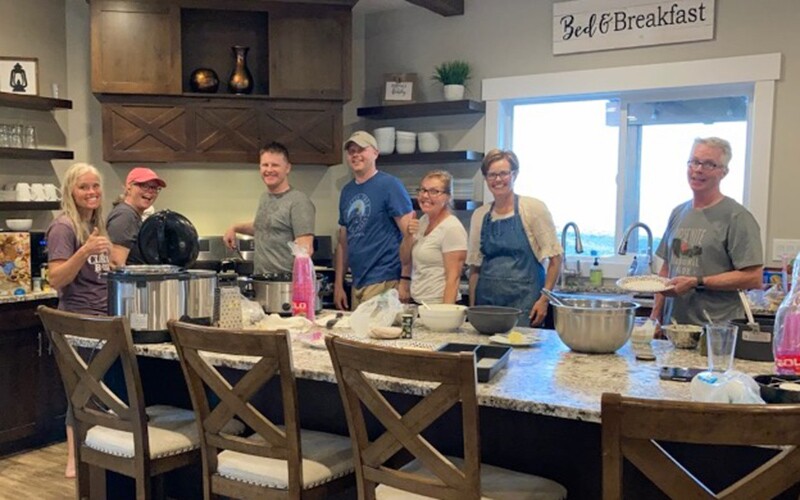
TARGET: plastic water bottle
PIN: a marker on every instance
(786, 343)
(303, 286)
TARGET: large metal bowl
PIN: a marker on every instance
(594, 325)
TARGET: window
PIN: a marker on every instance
(570, 158)
(748, 80)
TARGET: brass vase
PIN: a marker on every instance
(241, 81)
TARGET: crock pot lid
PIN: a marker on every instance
(148, 269)
(201, 273)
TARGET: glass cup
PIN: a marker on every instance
(721, 341)
(29, 137)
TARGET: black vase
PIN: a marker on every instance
(204, 80)
(241, 81)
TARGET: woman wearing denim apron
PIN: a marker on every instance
(509, 242)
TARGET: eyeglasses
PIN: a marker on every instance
(148, 187)
(503, 174)
(704, 165)
(433, 193)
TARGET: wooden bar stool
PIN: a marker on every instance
(431, 473)
(632, 427)
(138, 442)
(276, 461)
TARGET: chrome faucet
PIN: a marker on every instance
(565, 271)
(623, 246)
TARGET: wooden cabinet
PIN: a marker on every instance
(309, 52)
(31, 393)
(135, 47)
(299, 50)
(229, 129)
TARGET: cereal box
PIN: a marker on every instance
(15, 263)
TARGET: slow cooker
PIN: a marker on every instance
(274, 292)
(149, 296)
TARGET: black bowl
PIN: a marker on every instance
(771, 393)
(489, 320)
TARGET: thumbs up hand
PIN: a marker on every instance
(96, 244)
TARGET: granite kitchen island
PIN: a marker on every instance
(540, 414)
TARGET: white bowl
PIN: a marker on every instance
(19, 224)
(404, 146)
(428, 142)
(385, 137)
(443, 317)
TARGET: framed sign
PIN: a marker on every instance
(399, 88)
(19, 75)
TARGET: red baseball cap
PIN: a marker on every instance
(140, 175)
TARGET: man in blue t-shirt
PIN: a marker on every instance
(374, 210)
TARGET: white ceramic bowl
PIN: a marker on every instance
(443, 317)
(385, 136)
(19, 224)
(405, 146)
(428, 142)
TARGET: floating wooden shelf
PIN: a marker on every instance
(457, 204)
(423, 109)
(438, 157)
(33, 102)
(30, 205)
(35, 154)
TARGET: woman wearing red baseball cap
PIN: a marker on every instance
(141, 191)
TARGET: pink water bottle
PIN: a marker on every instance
(303, 286)
(786, 342)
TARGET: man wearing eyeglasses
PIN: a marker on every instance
(712, 245)
(125, 219)
(374, 211)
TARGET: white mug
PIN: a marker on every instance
(23, 190)
(52, 192)
(37, 192)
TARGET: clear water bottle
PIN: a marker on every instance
(304, 286)
(786, 343)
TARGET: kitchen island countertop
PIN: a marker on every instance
(546, 378)
(10, 299)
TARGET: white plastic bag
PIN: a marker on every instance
(376, 312)
(729, 387)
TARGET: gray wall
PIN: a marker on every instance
(513, 37)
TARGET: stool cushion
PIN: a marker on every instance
(496, 483)
(170, 431)
(325, 457)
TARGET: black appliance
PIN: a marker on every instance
(38, 253)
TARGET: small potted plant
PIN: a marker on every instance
(453, 75)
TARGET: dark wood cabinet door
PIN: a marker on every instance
(219, 130)
(19, 370)
(310, 51)
(135, 47)
(52, 399)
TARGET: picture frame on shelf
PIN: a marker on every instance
(399, 88)
(19, 75)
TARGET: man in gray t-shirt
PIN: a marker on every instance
(284, 215)
(712, 245)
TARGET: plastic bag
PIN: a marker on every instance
(729, 387)
(252, 312)
(376, 312)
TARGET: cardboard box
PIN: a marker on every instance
(15, 263)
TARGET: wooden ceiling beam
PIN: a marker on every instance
(443, 7)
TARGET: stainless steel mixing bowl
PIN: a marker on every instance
(594, 325)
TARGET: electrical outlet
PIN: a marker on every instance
(790, 248)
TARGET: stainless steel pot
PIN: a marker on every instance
(274, 292)
(149, 296)
(200, 296)
(593, 325)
